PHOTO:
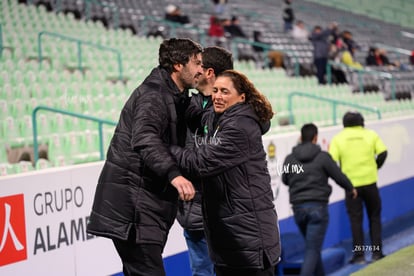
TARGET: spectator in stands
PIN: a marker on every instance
(220, 6)
(275, 58)
(378, 57)
(173, 13)
(321, 46)
(361, 153)
(137, 194)
(349, 42)
(216, 27)
(300, 32)
(288, 16)
(307, 171)
(241, 223)
(216, 30)
(233, 29)
(411, 59)
(348, 59)
(337, 74)
(215, 61)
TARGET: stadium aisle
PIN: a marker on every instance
(398, 234)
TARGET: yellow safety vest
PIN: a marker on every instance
(356, 149)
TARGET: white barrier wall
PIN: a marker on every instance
(43, 214)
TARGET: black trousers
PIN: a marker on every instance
(140, 259)
(320, 64)
(368, 196)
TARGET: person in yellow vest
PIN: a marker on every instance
(360, 153)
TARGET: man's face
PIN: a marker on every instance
(191, 72)
(202, 82)
(225, 95)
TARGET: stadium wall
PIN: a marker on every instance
(43, 214)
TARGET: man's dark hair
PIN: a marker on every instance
(308, 132)
(177, 51)
(217, 58)
(353, 118)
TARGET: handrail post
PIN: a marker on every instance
(101, 149)
(88, 9)
(79, 47)
(235, 50)
(297, 66)
(290, 111)
(334, 112)
(39, 49)
(360, 81)
(393, 92)
(35, 142)
(1, 41)
(329, 72)
(120, 76)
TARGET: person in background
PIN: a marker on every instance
(288, 16)
(220, 6)
(378, 57)
(216, 27)
(138, 188)
(321, 49)
(361, 153)
(240, 219)
(233, 29)
(173, 13)
(308, 170)
(300, 32)
(215, 61)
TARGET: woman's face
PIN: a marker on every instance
(225, 95)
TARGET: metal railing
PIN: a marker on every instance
(99, 121)
(1, 41)
(334, 103)
(360, 73)
(79, 43)
(266, 48)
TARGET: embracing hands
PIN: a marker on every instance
(184, 187)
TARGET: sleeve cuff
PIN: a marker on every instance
(173, 172)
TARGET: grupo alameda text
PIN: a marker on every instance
(64, 233)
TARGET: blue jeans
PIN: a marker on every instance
(200, 262)
(312, 219)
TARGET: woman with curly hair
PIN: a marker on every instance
(239, 216)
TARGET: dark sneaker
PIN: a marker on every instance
(357, 260)
(376, 257)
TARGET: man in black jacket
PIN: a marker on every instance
(306, 171)
(215, 61)
(137, 193)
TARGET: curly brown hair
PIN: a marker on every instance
(254, 97)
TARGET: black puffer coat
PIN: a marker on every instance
(240, 220)
(306, 172)
(133, 195)
(189, 213)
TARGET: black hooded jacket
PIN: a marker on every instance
(306, 171)
(240, 219)
(134, 195)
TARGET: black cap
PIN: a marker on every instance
(353, 118)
